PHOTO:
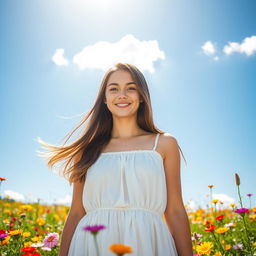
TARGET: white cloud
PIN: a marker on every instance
(224, 198)
(66, 200)
(129, 49)
(14, 195)
(208, 48)
(248, 46)
(59, 59)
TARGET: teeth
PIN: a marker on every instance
(122, 105)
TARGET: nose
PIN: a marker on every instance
(122, 93)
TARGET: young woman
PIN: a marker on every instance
(125, 174)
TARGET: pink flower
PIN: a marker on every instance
(3, 235)
(242, 210)
(51, 240)
(238, 246)
(94, 229)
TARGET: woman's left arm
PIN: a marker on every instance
(175, 213)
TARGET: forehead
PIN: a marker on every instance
(120, 76)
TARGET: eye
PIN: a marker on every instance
(132, 88)
(112, 89)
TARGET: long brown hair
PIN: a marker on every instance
(97, 134)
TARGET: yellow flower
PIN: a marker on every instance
(27, 244)
(227, 247)
(217, 254)
(15, 232)
(221, 230)
(204, 248)
(26, 234)
(34, 239)
(57, 218)
(215, 201)
(253, 217)
(26, 207)
(40, 221)
(254, 209)
(8, 211)
(254, 244)
(120, 248)
(232, 205)
(6, 221)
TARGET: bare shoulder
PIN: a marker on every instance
(168, 145)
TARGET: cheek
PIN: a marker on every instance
(109, 98)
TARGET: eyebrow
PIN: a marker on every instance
(117, 83)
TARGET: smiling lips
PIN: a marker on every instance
(122, 105)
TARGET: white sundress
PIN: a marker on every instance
(126, 192)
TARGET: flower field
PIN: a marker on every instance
(35, 229)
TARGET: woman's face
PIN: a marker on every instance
(121, 94)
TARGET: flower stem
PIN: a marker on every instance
(218, 242)
(247, 235)
(96, 245)
(240, 199)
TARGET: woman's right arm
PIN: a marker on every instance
(75, 214)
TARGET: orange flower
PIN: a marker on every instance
(1, 179)
(210, 186)
(222, 230)
(120, 249)
(227, 247)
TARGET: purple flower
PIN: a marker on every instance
(51, 240)
(94, 229)
(241, 210)
(250, 194)
(238, 246)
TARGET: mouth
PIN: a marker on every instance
(123, 105)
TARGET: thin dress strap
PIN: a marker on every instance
(156, 140)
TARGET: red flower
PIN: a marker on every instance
(28, 249)
(207, 222)
(2, 231)
(13, 219)
(31, 254)
(210, 228)
(219, 217)
(1, 179)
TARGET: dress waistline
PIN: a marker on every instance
(125, 208)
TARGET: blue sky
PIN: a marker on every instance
(198, 57)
